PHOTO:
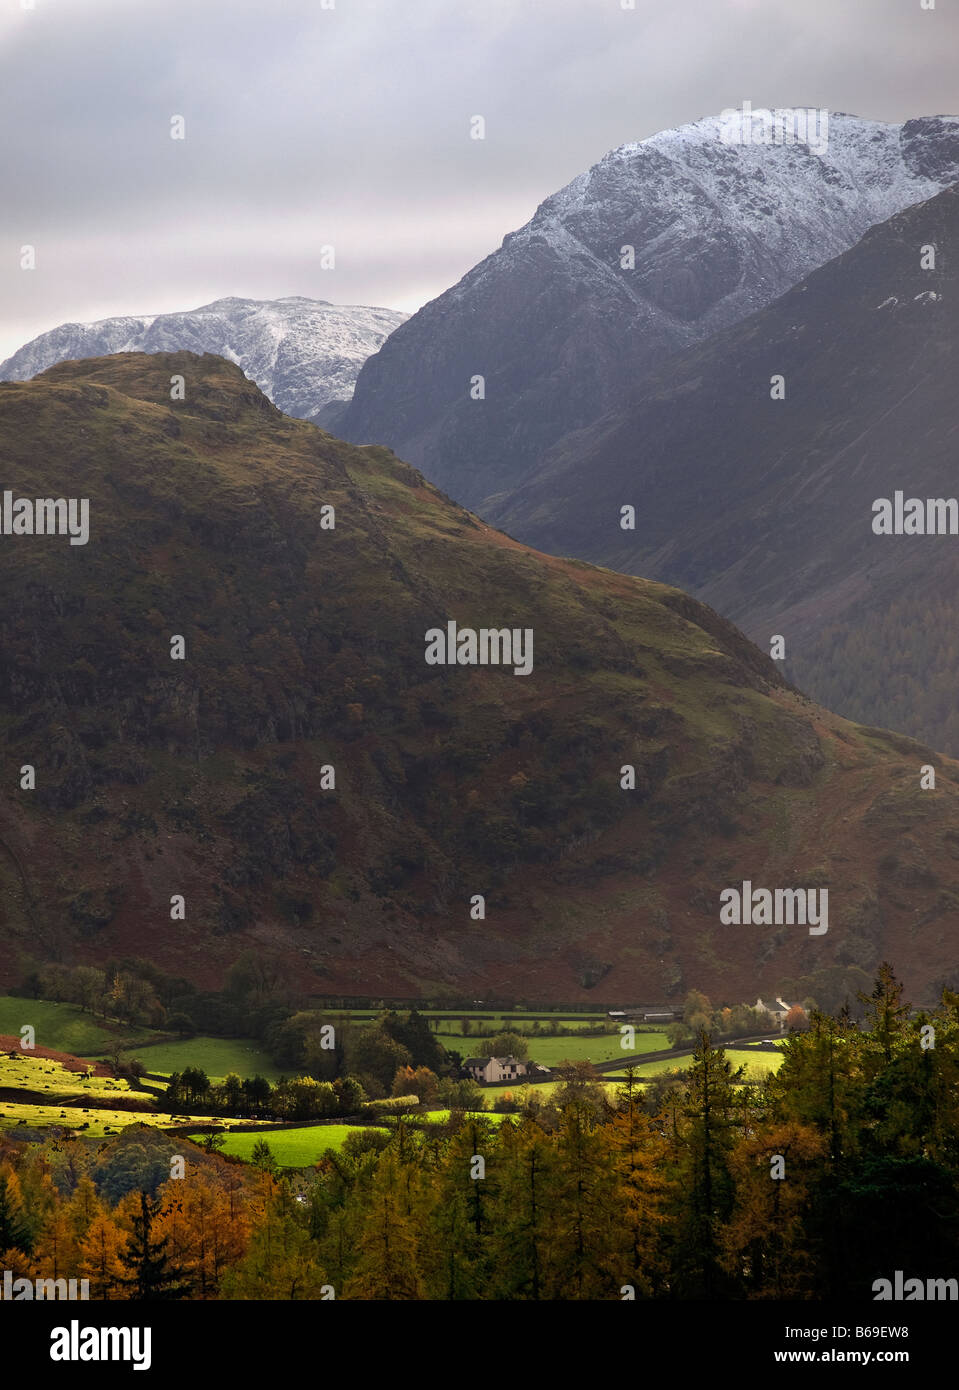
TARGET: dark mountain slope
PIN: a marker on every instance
(763, 507)
(305, 648)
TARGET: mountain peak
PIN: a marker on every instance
(303, 353)
(654, 248)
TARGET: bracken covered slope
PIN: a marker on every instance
(305, 648)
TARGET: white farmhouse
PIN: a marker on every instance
(777, 1010)
(494, 1071)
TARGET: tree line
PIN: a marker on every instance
(812, 1183)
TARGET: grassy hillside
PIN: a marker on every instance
(215, 1056)
(64, 1027)
(23, 1072)
(305, 650)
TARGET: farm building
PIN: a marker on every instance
(777, 1010)
(495, 1070)
(645, 1013)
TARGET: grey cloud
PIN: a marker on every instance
(306, 126)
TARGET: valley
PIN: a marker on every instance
(479, 778)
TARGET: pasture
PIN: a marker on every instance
(24, 1072)
(216, 1056)
(292, 1148)
(757, 1064)
(440, 1117)
(551, 1051)
(301, 1147)
(99, 1123)
(544, 1089)
(62, 1027)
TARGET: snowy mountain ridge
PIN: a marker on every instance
(301, 352)
(562, 327)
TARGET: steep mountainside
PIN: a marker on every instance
(562, 334)
(303, 353)
(764, 508)
(305, 649)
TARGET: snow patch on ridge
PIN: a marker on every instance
(301, 352)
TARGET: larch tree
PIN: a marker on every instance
(705, 1140)
(636, 1152)
(387, 1267)
(768, 1243)
(524, 1209)
(100, 1250)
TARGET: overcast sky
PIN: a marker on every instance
(349, 126)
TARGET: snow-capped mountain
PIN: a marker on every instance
(302, 353)
(562, 328)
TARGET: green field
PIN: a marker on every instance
(454, 1017)
(299, 1148)
(73, 1098)
(440, 1117)
(100, 1122)
(551, 1051)
(757, 1064)
(544, 1089)
(72, 1117)
(70, 1096)
(25, 1072)
(215, 1056)
(61, 1027)
(292, 1148)
(508, 1018)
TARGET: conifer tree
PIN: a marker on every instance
(388, 1264)
(149, 1274)
(636, 1254)
(100, 1251)
(83, 1207)
(886, 1013)
(458, 1248)
(586, 1207)
(523, 1223)
(55, 1250)
(705, 1141)
(14, 1230)
(768, 1239)
(281, 1261)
